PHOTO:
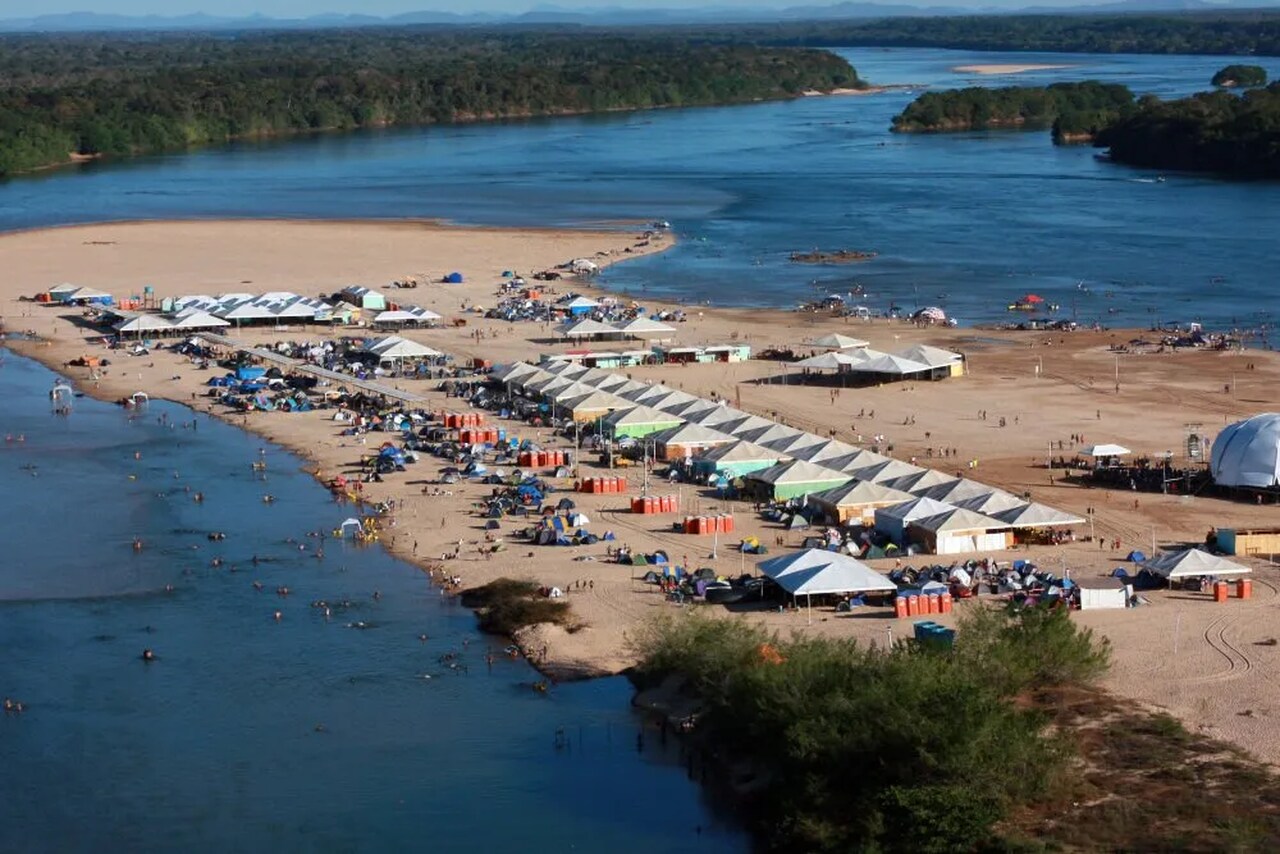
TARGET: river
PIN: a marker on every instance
(252, 734)
(968, 221)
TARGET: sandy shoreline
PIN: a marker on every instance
(1007, 68)
(1157, 397)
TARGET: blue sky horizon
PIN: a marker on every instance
(306, 8)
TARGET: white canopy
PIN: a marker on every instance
(934, 357)
(643, 326)
(1036, 516)
(1247, 453)
(1191, 563)
(832, 361)
(199, 320)
(395, 347)
(144, 323)
(581, 302)
(397, 315)
(815, 571)
(1105, 451)
(836, 341)
(587, 328)
(892, 365)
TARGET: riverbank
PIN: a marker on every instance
(1047, 386)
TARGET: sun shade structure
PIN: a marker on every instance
(836, 341)
(140, 324)
(1247, 453)
(587, 328)
(393, 348)
(1036, 516)
(1191, 563)
(643, 327)
(814, 572)
(199, 320)
(1098, 451)
(934, 357)
(833, 361)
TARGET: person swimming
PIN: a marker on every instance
(148, 655)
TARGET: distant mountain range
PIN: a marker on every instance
(588, 17)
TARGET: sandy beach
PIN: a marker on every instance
(1006, 69)
(1046, 385)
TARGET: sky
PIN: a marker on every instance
(306, 8)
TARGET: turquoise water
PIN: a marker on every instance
(969, 221)
(215, 745)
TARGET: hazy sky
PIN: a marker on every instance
(304, 8)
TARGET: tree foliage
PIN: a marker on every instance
(1209, 132)
(1240, 76)
(867, 749)
(1079, 105)
(121, 95)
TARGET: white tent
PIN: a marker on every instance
(816, 571)
(1036, 516)
(934, 357)
(888, 470)
(580, 302)
(1105, 451)
(199, 320)
(956, 489)
(892, 365)
(397, 315)
(141, 323)
(1247, 453)
(893, 520)
(832, 361)
(394, 347)
(920, 481)
(993, 503)
(587, 328)
(1191, 563)
(643, 327)
(836, 341)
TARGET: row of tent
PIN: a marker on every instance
(639, 327)
(779, 462)
(916, 360)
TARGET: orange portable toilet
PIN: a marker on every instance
(637, 505)
(1244, 588)
(622, 484)
(900, 607)
(945, 601)
(664, 504)
(650, 504)
(930, 603)
(913, 606)
(728, 524)
(1220, 591)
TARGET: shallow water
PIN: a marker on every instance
(215, 746)
(968, 221)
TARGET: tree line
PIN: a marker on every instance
(1223, 132)
(1234, 33)
(112, 95)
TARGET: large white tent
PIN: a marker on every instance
(643, 327)
(393, 348)
(1191, 563)
(814, 572)
(836, 341)
(1247, 453)
(1105, 450)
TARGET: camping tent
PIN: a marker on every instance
(1192, 562)
(1247, 453)
(580, 305)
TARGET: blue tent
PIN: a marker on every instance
(1136, 557)
(249, 372)
(453, 279)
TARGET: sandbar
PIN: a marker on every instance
(1046, 385)
(1006, 68)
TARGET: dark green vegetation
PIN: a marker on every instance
(120, 95)
(1078, 106)
(1233, 33)
(1210, 132)
(1240, 76)
(1000, 745)
(864, 749)
(507, 604)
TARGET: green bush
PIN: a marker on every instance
(875, 749)
(506, 605)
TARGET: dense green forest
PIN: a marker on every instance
(1240, 76)
(1209, 132)
(1232, 33)
(119, 95)
(1077, 105)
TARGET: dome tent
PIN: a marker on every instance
(1247, 453)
